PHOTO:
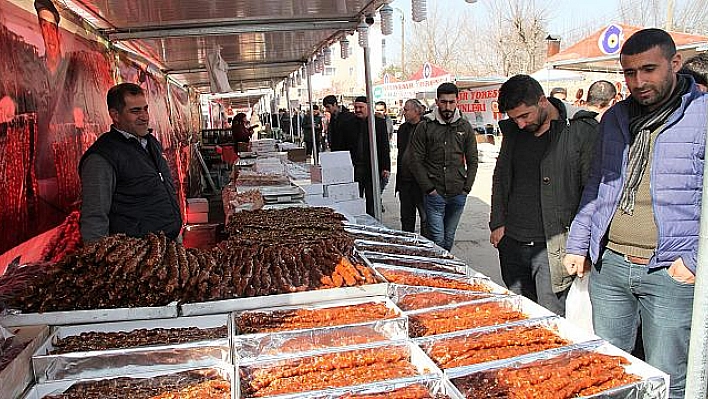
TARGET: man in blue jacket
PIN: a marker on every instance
(638, 219)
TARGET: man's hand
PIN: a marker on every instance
(496, 236)
(434, 192)
(385, 174)
(576, 264)
(679, 272)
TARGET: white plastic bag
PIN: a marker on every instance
(578, 309)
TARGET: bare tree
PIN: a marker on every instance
(517, 32)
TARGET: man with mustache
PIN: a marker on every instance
(444, 163)
(638, 220)
(543, 163)
(126, 183)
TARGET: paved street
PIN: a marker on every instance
(472, 239)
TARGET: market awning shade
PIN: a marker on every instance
(599, 52)
(261, 40)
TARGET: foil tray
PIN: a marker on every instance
(386, 248)
(276, 344)
(381, 229)
(223, 370)
(423, 364)
(398, 292)
(17, 375)
(654, 383)
(89, 316)
(434, 386)
(449, 265)
(295, 298)
(492, 287)
(556, 324)
(386, 238)
(131, 360)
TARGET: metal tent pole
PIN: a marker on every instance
(375, 175)
(315, 154)
(696, 374)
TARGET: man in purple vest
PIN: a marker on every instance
(638, 220)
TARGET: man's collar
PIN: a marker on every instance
(141, 140)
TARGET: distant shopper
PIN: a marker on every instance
(307, 127)
(601, 96)
(126, 184)
(444, 163)
(559, 92)
(542, 167)
(339, 118)
(409, 193)
(241, 128)
(697, 68)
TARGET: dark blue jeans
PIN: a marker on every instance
(623, 293)
(525, 271)
(443, 215)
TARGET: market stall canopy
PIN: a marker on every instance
(556, 75)
(262, 41)
(599, 52)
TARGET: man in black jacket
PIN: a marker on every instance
(126, 184)
(409, 193)
(543, 165)
(357, 134)
(339, 118)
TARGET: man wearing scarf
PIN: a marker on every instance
(638, 219)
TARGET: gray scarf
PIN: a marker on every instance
(642, 123)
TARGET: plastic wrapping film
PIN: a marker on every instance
(413, 297)
(516, 308)
(275, 344)
(387, 238)
(472, 340)
(131, 360)
(89, 316)
(653, 383)
(388, 248)
(295, 298)
(251, 369)
(421, 262)
(440, 279)
(220, 370)
(428, 387)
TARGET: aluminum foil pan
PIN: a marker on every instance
(471, 339)
(653, 384)
(424, 366)
(132, 360)
(222, 370)
(275, 344)
(439, 280)
(381, 229)
(411, 297)
(439, 388)
(423, 263)
(386, 248)
(419, 327)
(386, 238)
(89, 316)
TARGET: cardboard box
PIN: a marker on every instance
(18, 375)
(332, 175)
(317, 200)
(197, 217)
(355, 207)
(197, 205)
(312, 189)
(335, 159)
(342, 192)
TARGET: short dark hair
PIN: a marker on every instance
(447, 88)
(416, 104)
(646, 39)
(697, 66)
(116, 95)
(381, 103)
(315, 107)
(361, 99)
(329, 100)
(519, 89)
(601, 93)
